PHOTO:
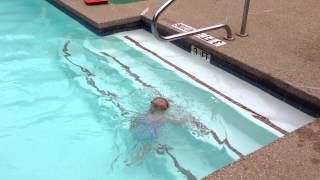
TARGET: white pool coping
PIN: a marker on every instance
(279, 113)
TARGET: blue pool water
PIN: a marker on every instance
(68, 98)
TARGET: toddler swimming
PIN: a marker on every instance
(145, 127)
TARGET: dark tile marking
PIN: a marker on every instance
(204, 130)
(127, 69)
(114, 161)
(65, 50)
(92, 83)
(164, 148)
(254, 114)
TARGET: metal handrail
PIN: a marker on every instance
(155, 32)
(243, 32)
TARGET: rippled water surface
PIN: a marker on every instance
(68, 97)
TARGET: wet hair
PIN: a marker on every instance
(162, 98)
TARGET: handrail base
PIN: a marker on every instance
(229, 39)
(242, 35)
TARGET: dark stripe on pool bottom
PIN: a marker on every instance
(206, 131)
(255, 114)
(91, 82)
(127, 69)
(184, 171)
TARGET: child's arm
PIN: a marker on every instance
(176, 122)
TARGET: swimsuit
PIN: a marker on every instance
(146, 128)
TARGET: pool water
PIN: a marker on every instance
(68, 98)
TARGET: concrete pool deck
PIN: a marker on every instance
(296, 156)
(281, 53)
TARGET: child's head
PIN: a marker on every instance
(160, 103)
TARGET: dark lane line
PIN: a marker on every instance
(127, 69)
(206, 131)
(165, 148)
(92, 83)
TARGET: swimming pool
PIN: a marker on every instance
(68, 97)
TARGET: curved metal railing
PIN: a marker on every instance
(155, 32)
(229, 36)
